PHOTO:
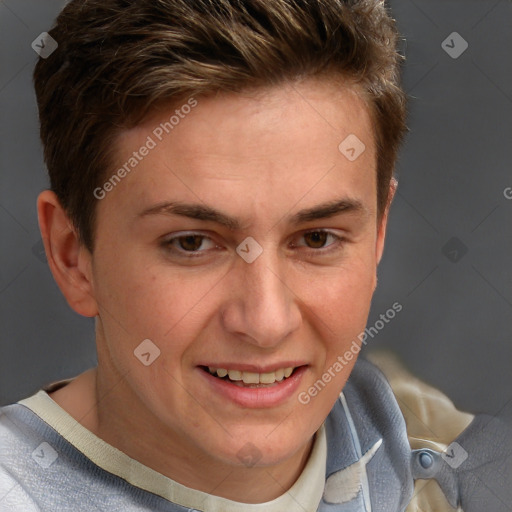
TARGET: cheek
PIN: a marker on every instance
(342, 298)
(138, 301)
(339, 309)
(341, 313)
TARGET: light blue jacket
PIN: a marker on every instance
(370, 464)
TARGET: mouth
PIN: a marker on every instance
(254, 387)
(247, 379)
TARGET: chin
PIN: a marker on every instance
(262, 449)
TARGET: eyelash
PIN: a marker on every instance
(336, 245)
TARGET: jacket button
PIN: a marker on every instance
(426, 460)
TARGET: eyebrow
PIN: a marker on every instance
(206, 213)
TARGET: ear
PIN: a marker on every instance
(381, 230)
(69, 260)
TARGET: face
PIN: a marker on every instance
(244, 241)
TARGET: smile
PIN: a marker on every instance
(247, 387)
(251, 379)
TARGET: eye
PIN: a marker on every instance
(317, 239)
(188, 244)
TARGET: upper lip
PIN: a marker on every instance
(244, 367)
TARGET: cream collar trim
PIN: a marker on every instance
(303, 496)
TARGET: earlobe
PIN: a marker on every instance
(381, 231)
(69, 261)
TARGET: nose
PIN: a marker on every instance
(263, 309)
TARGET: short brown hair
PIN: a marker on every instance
(118, 59)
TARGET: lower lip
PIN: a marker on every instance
(254, 398)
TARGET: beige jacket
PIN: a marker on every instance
(432, 422)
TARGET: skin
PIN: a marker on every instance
(259, 157)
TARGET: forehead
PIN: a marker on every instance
(266, 146)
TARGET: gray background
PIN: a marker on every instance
(448, 251)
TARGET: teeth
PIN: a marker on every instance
(279, 375)
(252, 377)
(234, 375)
(267, 378)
